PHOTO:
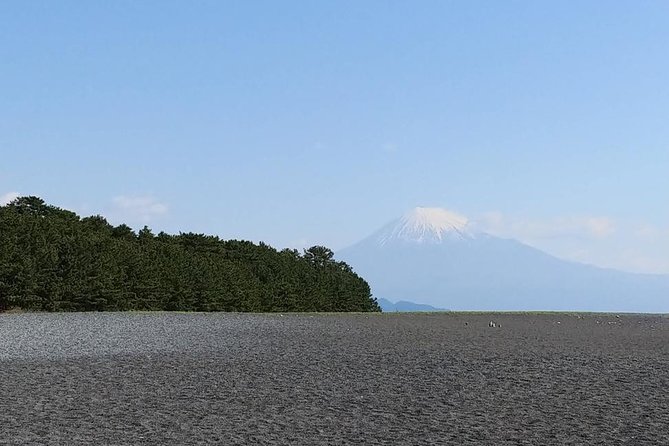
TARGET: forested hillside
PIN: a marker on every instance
(53, 260)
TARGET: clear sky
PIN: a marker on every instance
(314, 122)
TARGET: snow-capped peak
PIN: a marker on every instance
(427, 225)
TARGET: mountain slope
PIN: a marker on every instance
(453, 266)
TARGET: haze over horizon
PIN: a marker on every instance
(301, 123)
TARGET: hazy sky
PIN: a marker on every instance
(315, 122)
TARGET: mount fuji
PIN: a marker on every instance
(438, 257)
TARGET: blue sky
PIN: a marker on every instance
(314, 122)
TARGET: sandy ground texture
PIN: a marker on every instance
(394, 379)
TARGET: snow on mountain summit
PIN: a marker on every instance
(427, 225)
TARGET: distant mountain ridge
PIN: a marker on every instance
(436, 257)
(405, 306)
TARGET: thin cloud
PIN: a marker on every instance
(497, 223)
(142, 208)
(596, 240)
(301, 243)
(650, 232)
(8, 198)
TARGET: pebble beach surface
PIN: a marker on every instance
(334, 379)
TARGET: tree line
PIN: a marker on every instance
(53, 260)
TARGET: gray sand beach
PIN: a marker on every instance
(450, 378)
